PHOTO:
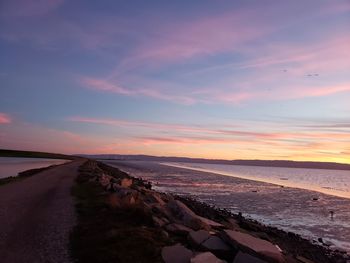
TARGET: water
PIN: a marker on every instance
(298, 209)
(332, 182)
(11, 166)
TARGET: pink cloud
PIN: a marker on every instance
(176, 127)
(320, 55)
(148, 125)
(206, 36)
(108, 86)
(5, 118)
(221, 135)
(102, 85)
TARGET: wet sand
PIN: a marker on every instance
(300, 211)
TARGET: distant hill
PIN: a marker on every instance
(31, 154)
(268, 163)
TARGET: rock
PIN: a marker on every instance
(210, 222)
(117, 200)
(129, 200)
(105, 180)
(233, 224)
(153, 198)
(176, 254)
(198, 237)
(122, 191)
(164, 234)
(206, 257)
(246, 258)
(126, 182)
(215, 243)
(303, 260)
(181, 212)
(255, 246)
(218, 247)
(114, 200)
(109, 187)
(178, 229)
(159, 222)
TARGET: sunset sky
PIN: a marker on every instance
(214, 79)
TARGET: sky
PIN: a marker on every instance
(202, 78)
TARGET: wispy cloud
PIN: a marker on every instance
(107, 86)
(219, 132)
(5, 118)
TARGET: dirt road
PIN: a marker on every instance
(36, 216)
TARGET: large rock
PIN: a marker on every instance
(178, 229)
(176, 254)
(122, 190)
(159, 222)
(215, 243)
(114, 200)
(117, 201)
(196, 238)
(206, 257)
(246, 258)
(126, 182)
(210, 222)
(187, 217)
(152, 197)
(105, 180)
(255, 246)
(218, 247)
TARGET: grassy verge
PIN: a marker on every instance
(107, 234)
(23, 175)
(31, 154)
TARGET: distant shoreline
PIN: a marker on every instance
(265, 163)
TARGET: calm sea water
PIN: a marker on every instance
(282, 197)
(11, 166)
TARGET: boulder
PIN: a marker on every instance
(206, 257)
(303, 260)
(114, 200)
(255, 246)
(234, 225)
(164, 234)
(159, 222)
(126, 182)
(176, 254)
(118, 200)
(105, 180)
(124, 191)
(187, 217)
(246, 258)
(196, 238)
(215, 243)
(219, 248)
(153, 198)
(178, 229)
(210, 222)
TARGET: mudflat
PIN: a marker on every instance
(37, 215)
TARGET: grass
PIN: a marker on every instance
(31, 154)
(8, 180)
(106, 234)
(23, 175)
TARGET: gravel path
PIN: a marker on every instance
(36, 216)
